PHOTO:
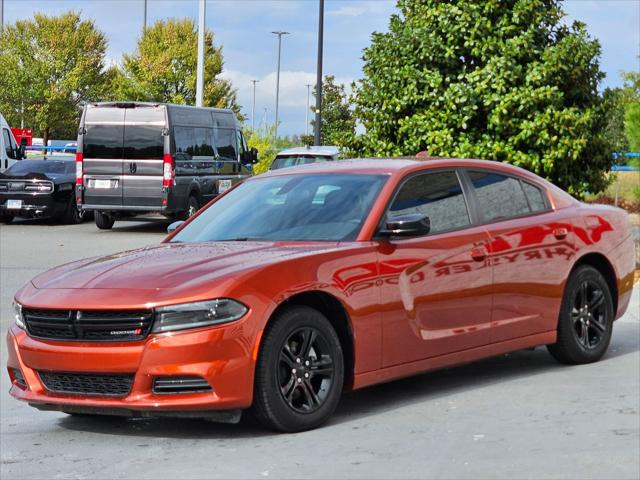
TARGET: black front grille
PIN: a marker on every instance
(88, 325)
(87, 383)
(28, 186)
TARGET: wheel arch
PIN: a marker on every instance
(332, 308)
(602, 264)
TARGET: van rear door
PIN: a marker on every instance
(143, 156)
(102, 151)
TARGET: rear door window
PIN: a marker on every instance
(535, 196)
(143, 142)
(499, 196)
(438, 195)
(103, 141)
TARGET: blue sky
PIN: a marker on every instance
(243, 28)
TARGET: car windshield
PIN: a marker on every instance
(293, 160)
(321, 207)
(41, 166)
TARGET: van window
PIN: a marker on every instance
(193, 142)
(103, 141)
(9, 145)
(143, 141)
(226, 143)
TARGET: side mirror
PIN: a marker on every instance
(254, 155)
(22, 152)
(409, 225)
(174, 226)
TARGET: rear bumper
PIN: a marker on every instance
(33, 206)
(223, 356)
(624, 261)
(124, 208)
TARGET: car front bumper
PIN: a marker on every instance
(224, 356)
(33, 205)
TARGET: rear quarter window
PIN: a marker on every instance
(499, 196)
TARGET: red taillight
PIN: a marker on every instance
(79, 159)
(167, 171)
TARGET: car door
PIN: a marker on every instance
(144, 139)
(531, 250)
(102, 137)
(435, 289)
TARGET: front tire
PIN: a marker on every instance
(586, 318)
(72, 215)
(300, 371)
(6, 218)
(104, 221)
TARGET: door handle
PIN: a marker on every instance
(560, 233)
(479, 253)
(133, 167)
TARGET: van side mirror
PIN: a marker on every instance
(174, 226)
(254, 155)
(22, 151)
(409, 225)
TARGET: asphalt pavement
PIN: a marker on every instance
(515, 416)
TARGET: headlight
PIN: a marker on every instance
(198, 314)
(17, 314)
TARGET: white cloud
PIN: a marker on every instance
(346, 11)
(293, 88)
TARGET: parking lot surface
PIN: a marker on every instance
(514, 416)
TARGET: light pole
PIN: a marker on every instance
(1, 15)
(253, 107)
(319, 74)
(279, 33)
(202, 12)
(306, 114)
(144, 26)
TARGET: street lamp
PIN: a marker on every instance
(279, 33)
(319, 74)
(253, 108)
(202, 12)
(144, 27)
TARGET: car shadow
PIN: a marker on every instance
(369, 402)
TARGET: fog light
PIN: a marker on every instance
(173, 385)
(18, 378)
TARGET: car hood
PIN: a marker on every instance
(171, 265)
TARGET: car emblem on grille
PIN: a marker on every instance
(136, 331)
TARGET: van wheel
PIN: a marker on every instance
(300, 371)
(192, 206)
(586, 318)
(72, 215)
(104, 221)
(6, 218)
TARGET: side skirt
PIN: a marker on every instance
(452, 359)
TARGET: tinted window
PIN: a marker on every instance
(535, 197)
(226, 143)
(103, 141)
(437, 195)
(293, 160)
(143, 141)
(41, 166)
(292, 207)
(499, 196)
(193, 143)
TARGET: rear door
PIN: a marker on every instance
(143, 156)
(102, 139)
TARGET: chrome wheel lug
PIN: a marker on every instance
(299, 380)
(307, 363)
(298, 360)
(293, 371)
(306, 375)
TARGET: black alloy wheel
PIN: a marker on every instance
(300, 370)
(306, 370)
(586, 318)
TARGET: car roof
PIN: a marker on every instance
(401, 165)
(327, 150)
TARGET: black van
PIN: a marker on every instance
(136, 157)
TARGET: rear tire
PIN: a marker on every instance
(104, 221)
(72, 215)
(300, 371)
(586, 318)
(193, 205)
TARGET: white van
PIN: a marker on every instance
(10, 152)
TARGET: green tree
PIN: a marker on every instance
(631, 94)
(338, 121)
(163, 68)
(504, 80)
(49, 66)
(263, 140)
(614, 110)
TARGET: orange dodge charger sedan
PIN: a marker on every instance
(301, 283)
